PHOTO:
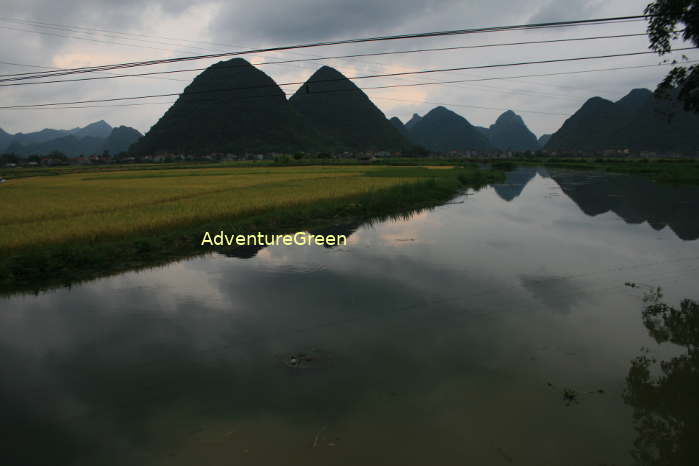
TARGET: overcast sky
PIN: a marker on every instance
(151, 29)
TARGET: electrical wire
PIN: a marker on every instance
(421, 35)
(439, 49)
(381, 75)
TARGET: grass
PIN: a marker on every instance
(45, 210)
(75, 226)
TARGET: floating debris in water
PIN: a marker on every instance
(305, 360)
(504, 455)
(570, 396)
(318, 434)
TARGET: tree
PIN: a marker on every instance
(663, 18)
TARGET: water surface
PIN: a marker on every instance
(496, 329)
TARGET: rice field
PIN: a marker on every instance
(92, 205)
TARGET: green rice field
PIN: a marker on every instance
(109, 204)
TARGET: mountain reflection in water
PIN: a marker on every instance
(515, 183)
(634, 199)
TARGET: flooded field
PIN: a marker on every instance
(500, 328)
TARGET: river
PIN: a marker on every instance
(496, 329)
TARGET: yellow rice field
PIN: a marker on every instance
(85, 206)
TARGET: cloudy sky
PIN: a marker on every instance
(74, 33)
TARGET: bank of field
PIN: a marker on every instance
(46, 210)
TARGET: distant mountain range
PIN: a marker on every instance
(445, 131)
(639, 121)
(94, 138)
(442, 130)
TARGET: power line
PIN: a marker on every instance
(371, 54)
(344, 41)
(495, 78)
(92, 30)
(69, 27)
(451, 104)
(82, 30)
(374, 54)
(189, 100)
(491, 78)
(401, 73)
(272, 96)
(388, 86)
(107, 72)
(342, 57)
(55, 34)
(129, 36)
(219, 47)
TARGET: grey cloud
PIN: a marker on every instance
(558, 294)
(121, 13)
(558, 10)
(284, 22)
(53, 22)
